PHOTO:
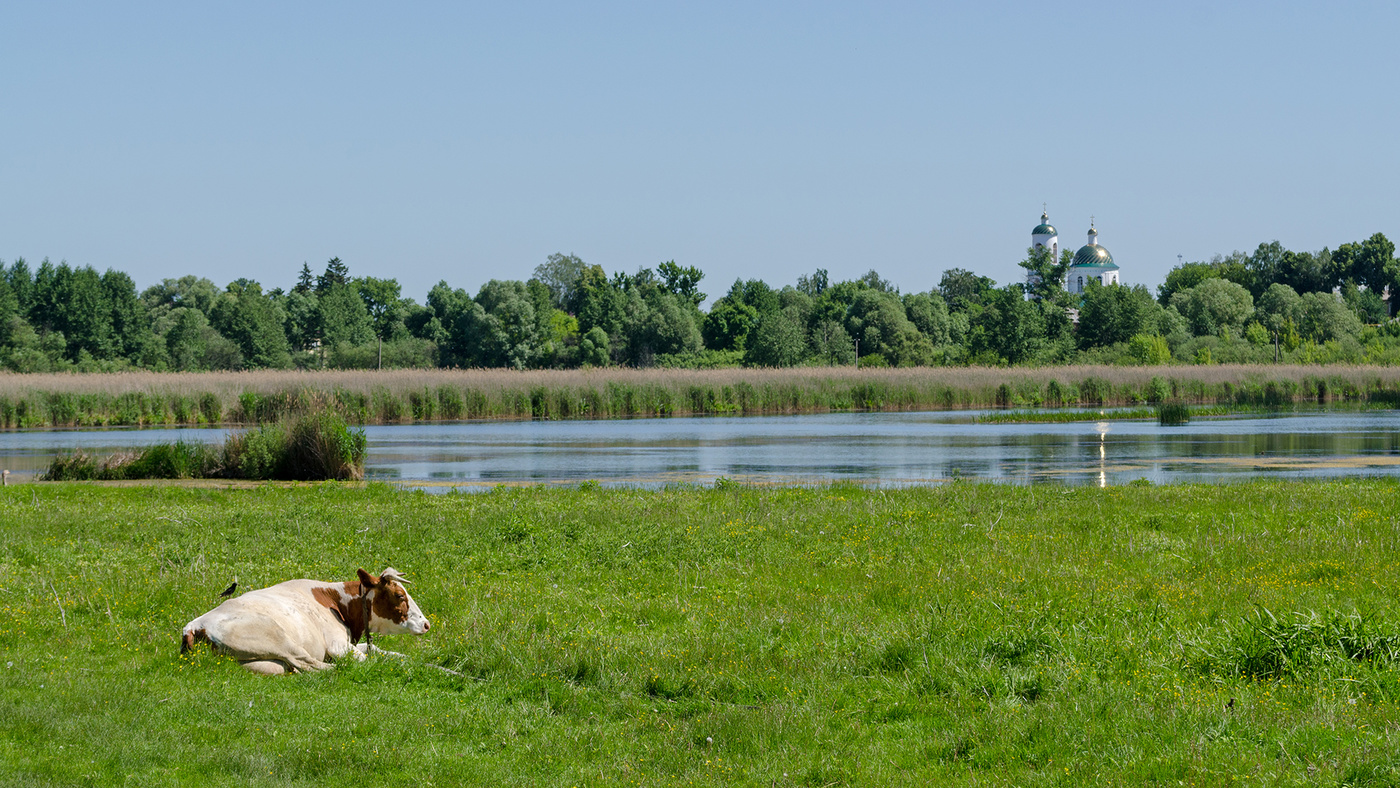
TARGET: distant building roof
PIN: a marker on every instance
(1093, 255)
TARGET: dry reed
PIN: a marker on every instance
(393, 396)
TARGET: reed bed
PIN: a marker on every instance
(312, 446)
(404, 396)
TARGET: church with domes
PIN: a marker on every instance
(1092, 262)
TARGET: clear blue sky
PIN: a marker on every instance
(466, 142)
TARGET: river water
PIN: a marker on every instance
(889, 449)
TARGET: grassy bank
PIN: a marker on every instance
(966, 634)
(401, 396)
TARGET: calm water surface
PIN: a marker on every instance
(892, 449)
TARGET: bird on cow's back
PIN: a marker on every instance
(300, 625)
(231, 587)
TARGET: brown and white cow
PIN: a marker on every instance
(300, 625)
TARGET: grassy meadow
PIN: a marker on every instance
(403, 396)
(965, 634)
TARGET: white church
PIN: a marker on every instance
(1091, 262)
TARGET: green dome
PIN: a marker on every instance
(1043, 229)
(1094, 255)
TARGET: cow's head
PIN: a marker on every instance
(391, 610)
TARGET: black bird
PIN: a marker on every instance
(231, 588)
(1231, 704)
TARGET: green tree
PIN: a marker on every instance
(560, 273)
(1325, 317)
(1149, 350)
(1235, 267)
(187, 339)
(1278, 307)
(1367, 304)
(874, 281)
(1045, 275)
(1009, 327)
(343, 316)
(21, 281)
(9, 307)
(1373, 264)
(449, 325)
(682, 281)
(1113, 313)
(1213, 305)
(929, 314)
(247, 317)
(74, 303)
(503, 329)
(877, 319)
(306, 281)
(778, 341)
(593, 348)
(599, 303)
(336, 273)
(1306, 272)
(658, 322)
(1266, 266)
(383, 300)
(728, 324)
(1184, 277)
(130, 322)
(815, 284)
(963, 289)
(831, 344)
(757, 294)
(302, 316)
(187, 291)
(1341, 265)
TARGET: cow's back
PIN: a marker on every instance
(279, 624)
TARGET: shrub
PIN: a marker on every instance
(321, 446)
(1158, 390)
(1148, 350)
(256, 453)
(311, 447)
(1173, 413)
(73, 467)
(177, 460)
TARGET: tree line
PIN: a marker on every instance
(1273, 304)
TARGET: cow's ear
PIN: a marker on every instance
(368, 580)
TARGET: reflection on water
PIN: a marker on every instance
(882, 448)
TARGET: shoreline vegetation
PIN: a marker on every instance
(414, 396)
(967, 634)
(311, 446)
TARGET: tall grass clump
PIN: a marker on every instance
(313, 446)
(320, 445)
(1263, 646)
(1173, 413)
(177, 460)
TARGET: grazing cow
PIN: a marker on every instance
(301, 624)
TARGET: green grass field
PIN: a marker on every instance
(965, 634)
